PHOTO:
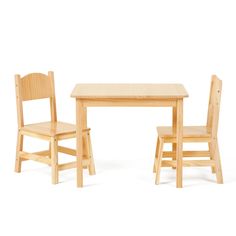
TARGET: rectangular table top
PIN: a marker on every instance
(137, 91)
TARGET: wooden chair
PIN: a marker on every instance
(38, 86)
(194, 134)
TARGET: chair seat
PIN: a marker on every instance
(51, 129)
(188, 132)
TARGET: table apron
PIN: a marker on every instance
(128, 102)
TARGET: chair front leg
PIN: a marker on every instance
(19, 148)
(159, 159)
(156, 156)
(54, 159)
(91, 167)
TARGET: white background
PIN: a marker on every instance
(118, 41)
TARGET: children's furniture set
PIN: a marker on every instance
(41, 86)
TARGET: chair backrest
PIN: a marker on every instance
(35, 86)
(214, 106)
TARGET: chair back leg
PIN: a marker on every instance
(213, 169)
(19, 148)
(215, 155)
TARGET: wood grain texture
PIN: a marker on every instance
(158, 161)
(53, 107)
(194, 134)
(19, 148)
(188, 131)
(50, 128)
(36, 86)
(79, 141)
(179, 143)
(54, 160)
(126, 95)
(129, 91)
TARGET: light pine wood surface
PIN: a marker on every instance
(194, 134)
(129, 95)
(129, 91)
(37, 86)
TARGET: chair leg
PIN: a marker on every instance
(54, 160)
(159, 159)
(90, 154)
(174, 150)
(156, 156)
(19, 147)
(85, 149)
(219, 176)
(213, 169)
(49, 148)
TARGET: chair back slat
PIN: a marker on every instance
(35, 86)
(214, 106)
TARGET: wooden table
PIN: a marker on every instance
(129, 95)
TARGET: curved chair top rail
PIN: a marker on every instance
(35, 86)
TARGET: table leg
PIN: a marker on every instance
(79, 141)
(88, 147)
(179, 142)
(174, 116)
